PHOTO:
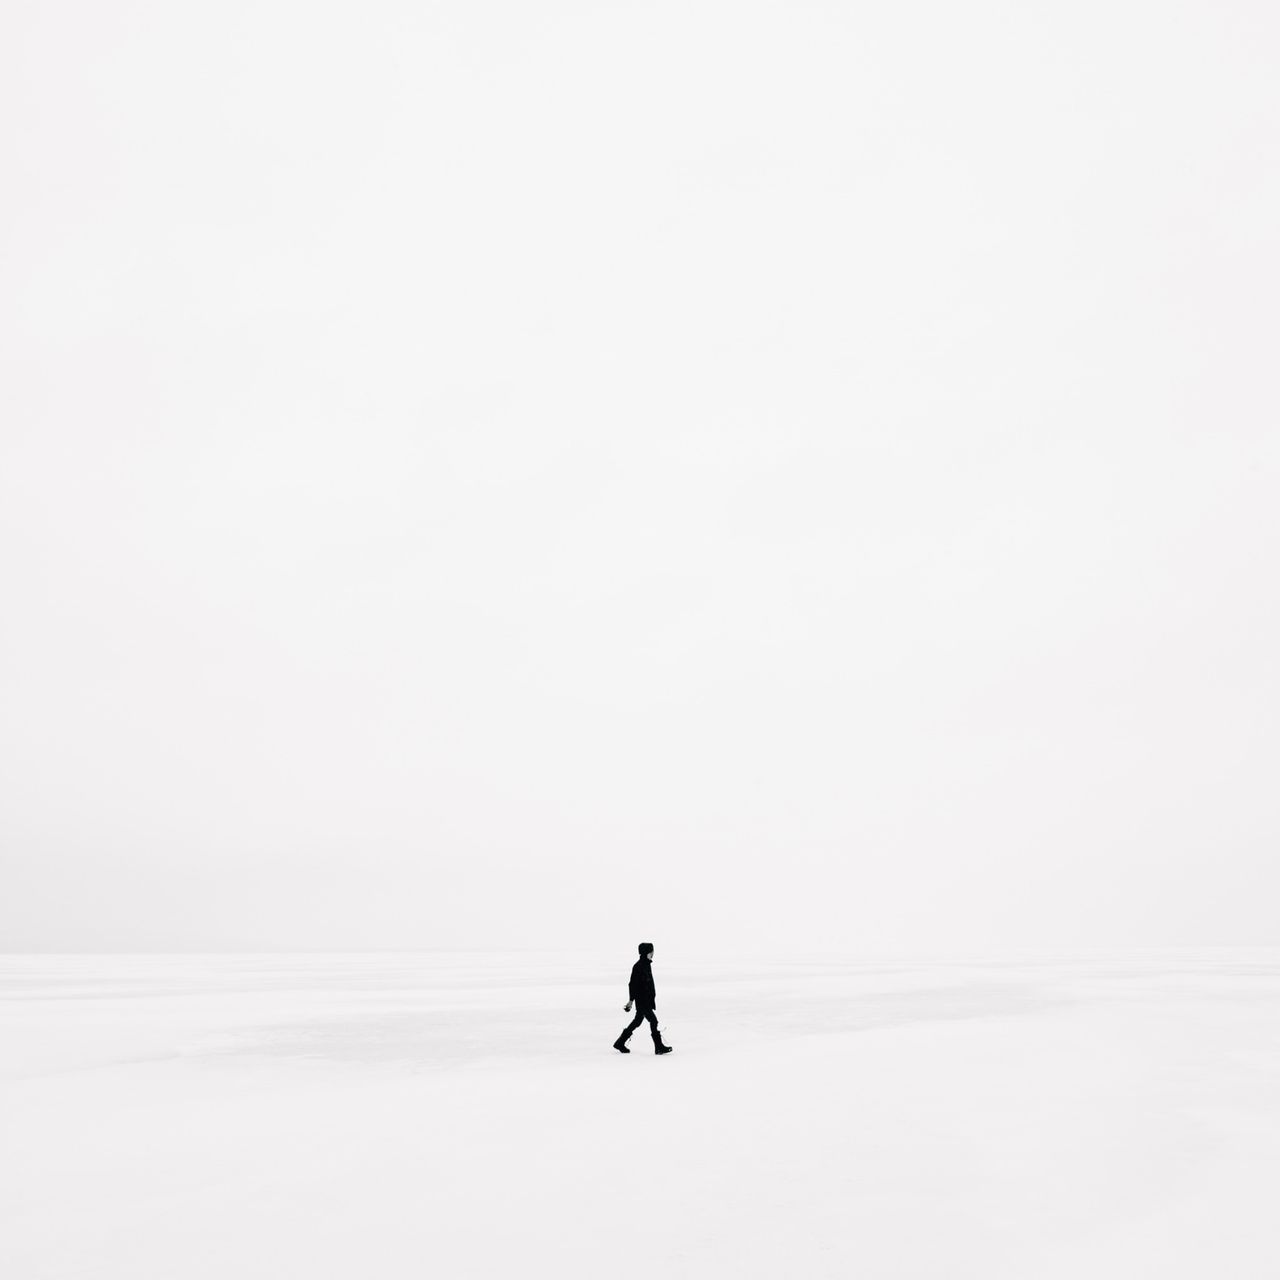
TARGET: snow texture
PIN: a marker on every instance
(462, 1115)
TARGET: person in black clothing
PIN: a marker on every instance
(642, 993)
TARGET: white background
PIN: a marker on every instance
(198, 1117)
(746, 475)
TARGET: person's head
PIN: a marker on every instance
(646, 950)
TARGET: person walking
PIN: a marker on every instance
(641, 993)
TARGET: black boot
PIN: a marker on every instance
(659, 1047)
(621, 1044)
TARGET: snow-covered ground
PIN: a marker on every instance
(462, 1115)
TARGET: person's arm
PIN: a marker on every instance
(631, 991)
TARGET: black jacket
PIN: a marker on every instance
(641, 988)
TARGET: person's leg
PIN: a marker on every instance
(631, 1026)
(658, 1046)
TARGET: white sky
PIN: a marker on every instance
(733, 474)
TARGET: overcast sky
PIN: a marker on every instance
(790, 475)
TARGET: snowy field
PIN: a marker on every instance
(462, 1115)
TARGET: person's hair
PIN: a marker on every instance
(645, 948)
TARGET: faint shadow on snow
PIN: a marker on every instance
(703, 1020)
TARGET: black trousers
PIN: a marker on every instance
(641, 1014)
